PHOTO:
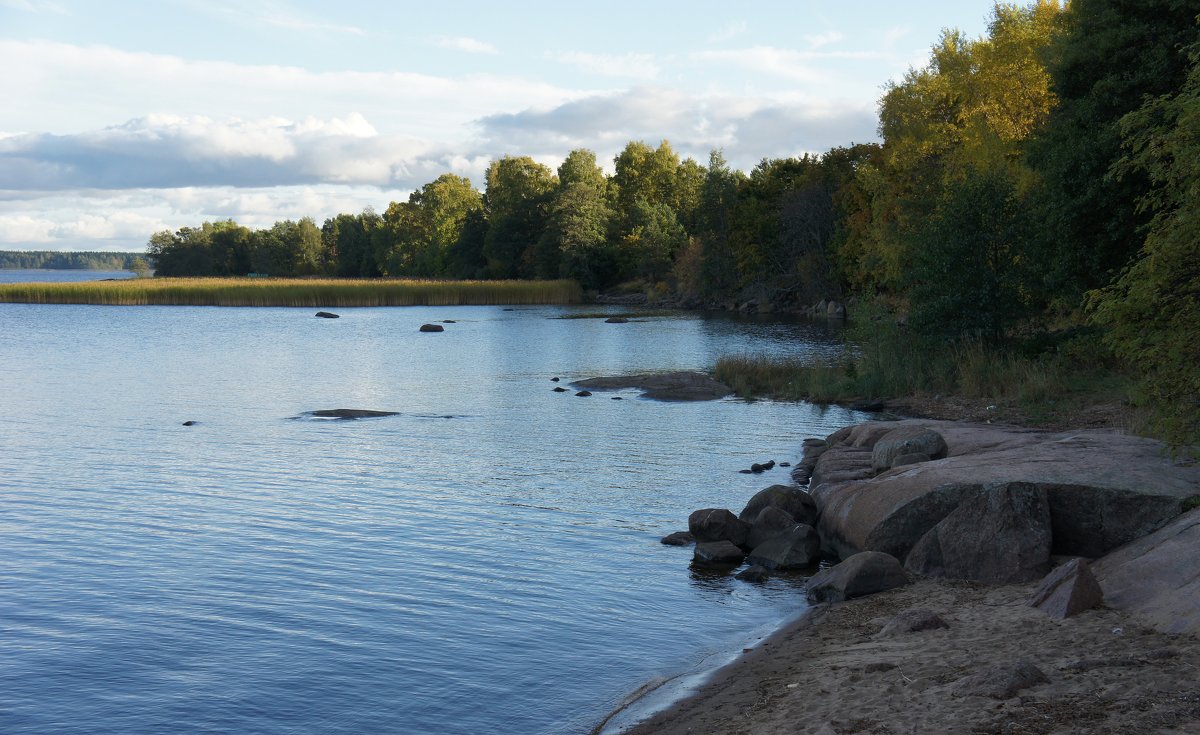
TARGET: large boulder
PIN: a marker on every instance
(793, 501)
(904, 441)
(718, 524)
(1001, 535)
(771, 522)
(1068, 590)
(862, 574)
(1104, 488)
(1157, 577)
(797, 548)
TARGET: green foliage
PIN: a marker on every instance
(968, 275)
(1106, 57)
(1153, 309)
(516, 201)
(76, 260)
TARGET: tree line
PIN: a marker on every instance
(1042, 176)
(76, 260)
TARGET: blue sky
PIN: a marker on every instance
(124, 118)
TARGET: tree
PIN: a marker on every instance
(1153, 310)
(140, 268)
(576, 240)
(1105, 58)
(516, 202)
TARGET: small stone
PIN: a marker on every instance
(617, 398)
(616, 320)
(327, 315)
(449, 321)
(559, 389)
(584, 393)
(554, 380)
(1068, 590)
(189, 423)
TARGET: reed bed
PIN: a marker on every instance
(329, 292)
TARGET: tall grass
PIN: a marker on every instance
(885, 361)
(292, 292)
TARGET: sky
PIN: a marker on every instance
(122, 118)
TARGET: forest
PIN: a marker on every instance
(73, 260)
(1035, 188)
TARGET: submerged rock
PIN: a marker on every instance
(584, 393)
(349, 414)
(190, 423)
(327, 315)
(756, 574)
(432, 328)
(616, 320)
(676, 386)
(679, 538)
(559, 389)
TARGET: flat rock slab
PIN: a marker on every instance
(1104, 488)
(346, 414)
(676, 386)
(1158, 576)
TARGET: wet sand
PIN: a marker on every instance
(831, 673)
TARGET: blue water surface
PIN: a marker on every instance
(486, 561)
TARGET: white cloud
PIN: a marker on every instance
(61, 86)
(731, 30)
(469, 45)
(631, 65)
(820, 40)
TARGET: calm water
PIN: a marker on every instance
(488, 561)
(16, 275)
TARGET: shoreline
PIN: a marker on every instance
(830, 672)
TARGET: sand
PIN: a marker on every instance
(831, 673)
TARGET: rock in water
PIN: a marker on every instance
(584, 393)
(794, 501)
(189, 423)
(679, 538)
(559, 389)
(718, 553)
(754, 574)
(1068, 590)
(327, 315)
(771, 522)
(349, 413)
(616, 320)
(798, 548)
(718, 524)
(432, 328)
(863, 574)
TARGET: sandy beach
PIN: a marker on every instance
(833, 673)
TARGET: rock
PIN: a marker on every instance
(679, 538)
(554, 380)
(907, 440)
(432, 328)
(1000, 535)
(797, 548)
(1104, 488)
(769, 523)
(1157, 577)
(616, 320)
(349, 414)
(910, 458)
(559, 389)
(785, 464)
(746, 472)
(911, 621)
(617, 398)
(675, 386)
(718, 553)
(1001, 681)
(718, 524)
(835, 310)
(769, 465)
(862, 574)
(754, 574)
(1068, 590)
(584, 393)
(189, 423)
(449, 321)
(795, 502)
(757, 468)
(327, 315)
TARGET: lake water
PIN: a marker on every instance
(487, 561)
(17, 275)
